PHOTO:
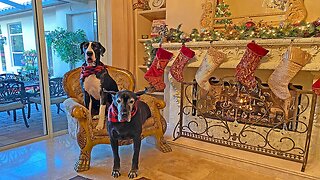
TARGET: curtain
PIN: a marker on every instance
(123, 35)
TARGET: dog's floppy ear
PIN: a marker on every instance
(102, 49)
(139, 93)
(113, 93)
(81, 47)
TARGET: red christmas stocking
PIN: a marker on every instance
(248, 64)
(156, 70)
(179, 63)
(316, 87)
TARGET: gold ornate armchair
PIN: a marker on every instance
(82, 127)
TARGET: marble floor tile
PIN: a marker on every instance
(55, 158)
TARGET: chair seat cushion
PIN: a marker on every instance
(11, 106)
(54, 100)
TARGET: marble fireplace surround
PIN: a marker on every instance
(235, 50)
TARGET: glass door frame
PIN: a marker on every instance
(43, 68)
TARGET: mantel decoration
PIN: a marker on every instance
(222, 10)
(247, 31)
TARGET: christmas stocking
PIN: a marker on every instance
(248, 64)
(156, 70)
(179, 63)
(316, 87)
(294, 59)
(211, 61)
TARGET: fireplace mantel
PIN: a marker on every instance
(236, 48)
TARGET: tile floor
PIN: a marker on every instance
(54, 159)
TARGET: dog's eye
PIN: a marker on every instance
(94, 46)
(118, 101)
(131, 101)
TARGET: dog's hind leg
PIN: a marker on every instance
(102, 117)
(116, 158)
(88, 103)
(102, 112)
(135, 160)
(90, 108)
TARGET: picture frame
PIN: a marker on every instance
(156, 26)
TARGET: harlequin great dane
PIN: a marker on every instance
(95, 78)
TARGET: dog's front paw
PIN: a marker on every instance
(95, 117)
(115, 173)
(132, 174)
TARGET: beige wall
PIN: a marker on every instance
(188, 12)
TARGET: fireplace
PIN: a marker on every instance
(254, 121)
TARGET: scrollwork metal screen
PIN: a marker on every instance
(252, 120)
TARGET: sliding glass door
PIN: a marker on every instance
(19, 77)
(31, 92)
(66, 26)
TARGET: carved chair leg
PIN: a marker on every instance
(83, 164)
(162, 144)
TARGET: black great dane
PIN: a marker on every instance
(126, 115)
(95, 78)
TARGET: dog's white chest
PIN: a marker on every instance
(92, 85)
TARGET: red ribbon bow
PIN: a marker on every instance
(88, 70)
(113, 113)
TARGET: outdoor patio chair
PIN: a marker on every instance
(8, 76)
(57, 95)
(13, 97)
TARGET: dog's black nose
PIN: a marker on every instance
(124, 112)
(89, 53)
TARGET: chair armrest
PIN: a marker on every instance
(78, 119)
(76, 110)
(160, 104)
(151, 100)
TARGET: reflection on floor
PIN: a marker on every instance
(13, 132)
(54, 159)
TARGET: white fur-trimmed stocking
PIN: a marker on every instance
(212, 60)
(294, 59)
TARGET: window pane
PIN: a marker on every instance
(15, 28)
(17, 59)
(17, 43)
(64, 34)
